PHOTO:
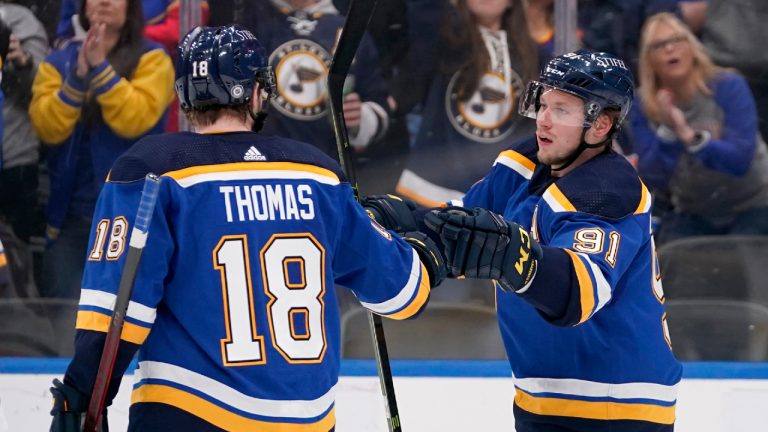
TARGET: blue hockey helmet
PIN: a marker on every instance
(601, 79)
(218, 66)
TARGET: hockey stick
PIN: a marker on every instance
(112, 343)
(358, 16)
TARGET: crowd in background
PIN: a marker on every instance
(431, 101)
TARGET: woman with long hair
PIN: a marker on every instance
(483, 56)
(91, 100)
(695, 132)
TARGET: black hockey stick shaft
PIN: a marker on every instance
(112, 343)
(358, 16)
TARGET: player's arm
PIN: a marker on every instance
(583, 261)
(391, 276)
(511, 171)
(107, 251)
(568, 281)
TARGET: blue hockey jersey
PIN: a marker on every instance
(234, 311)
(596, 344)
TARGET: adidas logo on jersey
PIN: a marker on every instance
(254, 155)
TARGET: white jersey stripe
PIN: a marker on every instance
(404, 296)
(576, 387)
(255, 175)
(105, 300)
(603, 287)
(515, 165)
(304, 409)
(552, 202)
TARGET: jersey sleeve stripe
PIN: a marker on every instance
(418, 302)
(248, 170)
(597, 410)
(219, 416)
(603, 287)
(557, 201)
(95, 321)
(429, 194)
(221, 395)
(3, 259)
(412, 292)
(586, 288)
(645, 201)
(105, 300)
(517, 162)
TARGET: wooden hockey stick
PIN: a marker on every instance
(358, 16)
(112, 342)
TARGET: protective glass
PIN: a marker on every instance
(560, 110)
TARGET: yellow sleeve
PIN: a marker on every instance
(55, 106)
(131, 108)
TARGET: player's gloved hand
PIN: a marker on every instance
(480, 244)
(69, 407)
(429, 254)
(391, 212)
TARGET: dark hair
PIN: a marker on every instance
(125, 55)
(467, 53)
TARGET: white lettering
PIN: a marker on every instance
(275, 202)
(305, 198)
(260, 202)
(226, 190)
(243, 202)
(268, 202)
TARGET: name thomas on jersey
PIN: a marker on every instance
(268, 202)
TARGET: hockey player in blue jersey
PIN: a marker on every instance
(233, 313)
(562, 223)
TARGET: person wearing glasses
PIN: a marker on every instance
(695, 133)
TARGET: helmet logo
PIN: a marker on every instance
(610, 62)
(237, 91)
(300, 69)
(486, 115)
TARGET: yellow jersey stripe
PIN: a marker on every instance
(586, 289)
(557, 200)
(219, 416)
(645, 200)
(418, 301)
(519, 158)
(188, 173)
(90, 320)
(3, 260)
(595, 410)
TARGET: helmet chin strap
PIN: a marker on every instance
(583, 145)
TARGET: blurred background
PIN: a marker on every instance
(436, 83)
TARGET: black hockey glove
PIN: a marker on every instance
(69, 407)
(480, 244)
(429, 254)
(391, 212)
